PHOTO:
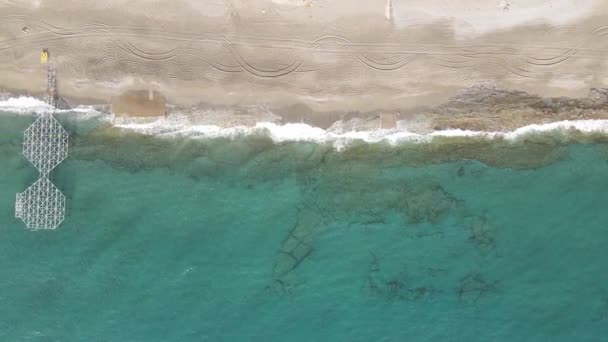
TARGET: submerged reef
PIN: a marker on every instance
(474, 286)
(258, 159)
(297, 244)
(482, 234)
(401, 286)
(426, 202)
(361, 187)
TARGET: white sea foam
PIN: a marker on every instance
(32, 105)
(181, 126)
(24, 105)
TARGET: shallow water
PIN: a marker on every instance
(232, 240)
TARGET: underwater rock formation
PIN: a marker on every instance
(473, 286)
(400, 286)
(297, 245)
(344, 188)
(426, 202)
(487, 108)
(482, 234)
(374, 282)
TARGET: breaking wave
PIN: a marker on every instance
(30, 105)
(183, 126)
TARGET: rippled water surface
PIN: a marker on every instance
(176, 239)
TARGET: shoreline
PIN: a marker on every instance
(185, 125)
(481, 109)
(528, 147)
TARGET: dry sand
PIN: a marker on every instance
(319, 61)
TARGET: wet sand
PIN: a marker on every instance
(482, 65)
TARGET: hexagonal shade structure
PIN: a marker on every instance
(46, 143)
(41, 206)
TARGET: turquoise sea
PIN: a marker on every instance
(181, 239)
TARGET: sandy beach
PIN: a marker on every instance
(480, 65)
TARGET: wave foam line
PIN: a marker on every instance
(181, 126)
(32, 105)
